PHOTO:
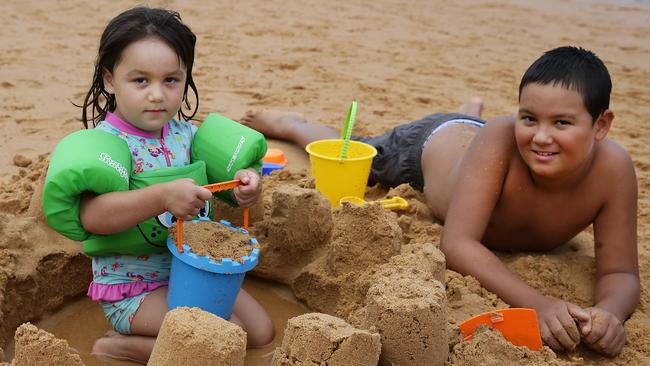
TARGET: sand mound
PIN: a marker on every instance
(298, 227)
(411, 315)
(321, 339)
(489, 348)
(16, 194)
(212, 239)
(38, 347)
(191, 336)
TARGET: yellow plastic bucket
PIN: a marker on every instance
(336, 178)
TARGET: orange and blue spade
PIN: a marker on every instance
(215, 187)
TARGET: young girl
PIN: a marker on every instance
(142, 75)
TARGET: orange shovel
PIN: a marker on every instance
(518, 325)
(215, 187)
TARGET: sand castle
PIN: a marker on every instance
(38, 347)
(191, 336)
(317, 339)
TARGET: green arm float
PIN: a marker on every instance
(226, 147)
(86, 160)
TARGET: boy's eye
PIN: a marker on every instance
(139, 80)
(527, 119)
(563, 122)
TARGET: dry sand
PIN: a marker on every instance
(400, 60)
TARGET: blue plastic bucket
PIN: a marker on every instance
(199, 281)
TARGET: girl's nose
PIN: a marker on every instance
(155, 94)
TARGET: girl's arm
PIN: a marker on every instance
(249, 191)
(114, 212)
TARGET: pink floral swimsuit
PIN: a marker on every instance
(121, 283)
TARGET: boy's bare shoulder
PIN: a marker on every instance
(500, 129)
(612, 158)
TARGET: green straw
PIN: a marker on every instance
(346, 134)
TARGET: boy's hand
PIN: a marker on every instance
(603, 332)
(183, 198)
(559, 330)
(247, 193)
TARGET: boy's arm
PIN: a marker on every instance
(114, 212)
(481, 179)
(617, 274)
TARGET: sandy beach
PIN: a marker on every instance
(400, 60)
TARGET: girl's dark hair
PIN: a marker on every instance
(576, 69)
(128, 27)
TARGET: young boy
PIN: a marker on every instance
(524, 184)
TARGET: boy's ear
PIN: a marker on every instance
(108, 81)
(603, 124)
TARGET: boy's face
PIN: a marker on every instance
(554, 132)
(148, 82)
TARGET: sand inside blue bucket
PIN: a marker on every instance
(215, 240)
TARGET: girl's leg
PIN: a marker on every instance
(144, 329)
(290, 126)
(124, 347)
(252, 317)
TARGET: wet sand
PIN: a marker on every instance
(82, 321)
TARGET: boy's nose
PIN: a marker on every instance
(542, 136)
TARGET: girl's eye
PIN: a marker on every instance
(563, 123)
(166, 219)
(171, 80)
(140, 80)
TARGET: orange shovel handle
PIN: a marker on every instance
(215, 187)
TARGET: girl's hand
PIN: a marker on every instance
(557, 326)
(603, 332)
(183, 198)
(247, 193)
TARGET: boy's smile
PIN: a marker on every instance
(554, 132)
(148, 81)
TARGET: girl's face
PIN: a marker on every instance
(148, 82)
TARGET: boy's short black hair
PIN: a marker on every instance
(573, 68)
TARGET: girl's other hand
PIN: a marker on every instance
(183, 198)
(247, 193)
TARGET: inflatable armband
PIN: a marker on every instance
(86, 160)
(226, 147)
(150, 235)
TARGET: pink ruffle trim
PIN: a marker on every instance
(120, 291)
